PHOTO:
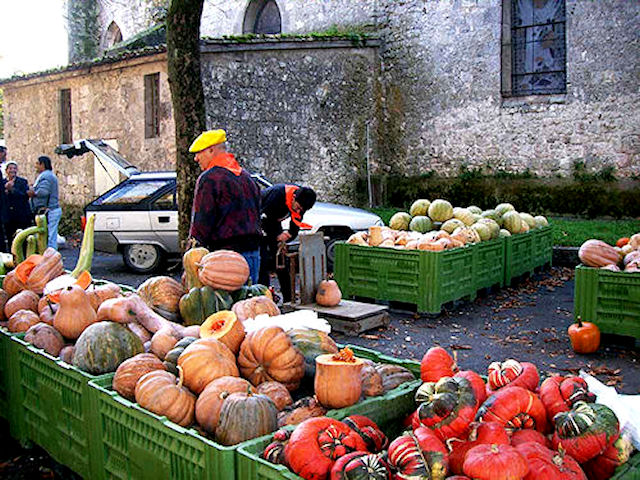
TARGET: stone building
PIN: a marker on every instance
(439, 84)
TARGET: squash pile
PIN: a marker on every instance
(511, 427)
(623, 257)
(438, 226)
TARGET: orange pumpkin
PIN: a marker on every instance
(163, 295)
(223, 269)
(329, 294)
(584, 336)
(210, 400)
(12, 284)
(163, 394)
(276, 392)
(164, 340)
(75, 312)
(338, 383)
(49, 268)
(253, 306)
(130, 371)
(596, 253)
(267, 354)
(25, 300)
(45, 337)
(226, 327)
(622, 242)
(205, 360)
(4, 297)
(22, 320)
(99, 293)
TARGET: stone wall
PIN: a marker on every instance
(443, 105)
(107, 102)
(296, 112)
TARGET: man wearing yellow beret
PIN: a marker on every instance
(226, 202)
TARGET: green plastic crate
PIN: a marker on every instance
(488, 263)
(10, 387)
(5, 364)
(519, 256)
(59, 408)
(542, 246)
(137, 444)
(630, 470)
(388, 411)
(423, 278)
(611, 300)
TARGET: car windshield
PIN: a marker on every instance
(132, 192)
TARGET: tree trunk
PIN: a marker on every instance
(187, 96)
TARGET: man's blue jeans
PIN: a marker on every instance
(253, 259)
(53, 219)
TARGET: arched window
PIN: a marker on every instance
(262, 16)
(112, 36)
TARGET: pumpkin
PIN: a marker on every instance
(142, 333)
(316, 444)
(249, 291)
(477, 383)
(25, 267)
(48, 314)
(244, 416)
(22, 320)
(375, 439)
(4, 296)
(559, 394)
(66, 354)
(164, 340)
(371, 380)
(205, 360)
(603, 466)
(622, 242)
(495, 462)
(251, 307)
(267, 354)
(75, 312)
(547, 464)
(131, 309)
(162, 393)
(437, 363)
(274, 452)
(190, 261)
(393, 375)
(419, 454)
(364, 465)
(480, 434)
(301, 410)
(129, 372)
(163, 295)
(515, 408)
(49, 268)
(277, 392)
(513, 373)
(171, 358)
(197, 305)
(226, 327)
(596, 253)
(311, 343)
(523, 436)
(584, 336)
(328, 294)
(213, 396)
(99, 293)
(223, 269)
(447, 406)
(103, 346)
(45, 337)
(12, 284)
(337, 383)
(25, 300)
(586, 430)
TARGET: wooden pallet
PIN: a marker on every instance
(351, 317)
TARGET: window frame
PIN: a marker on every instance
(65, 116)
(152, 105)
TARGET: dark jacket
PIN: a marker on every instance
(226, 211)
(18, 208)
(274, 210)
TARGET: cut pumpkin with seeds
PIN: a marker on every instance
(226, 327)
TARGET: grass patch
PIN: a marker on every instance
(567, 232)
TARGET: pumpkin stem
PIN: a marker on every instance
(494, 448)
(579, 321)
(180, 376)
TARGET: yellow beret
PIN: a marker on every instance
(207, 139)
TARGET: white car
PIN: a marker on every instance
(139, 219)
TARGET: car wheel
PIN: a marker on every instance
(142, 258)
(331, 253)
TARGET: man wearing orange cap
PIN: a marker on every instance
(226, 202)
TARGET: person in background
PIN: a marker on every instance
(44, 198)
(3, 158)
(4, 247)
(18, 210)
(226, 202)
(279, 202)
